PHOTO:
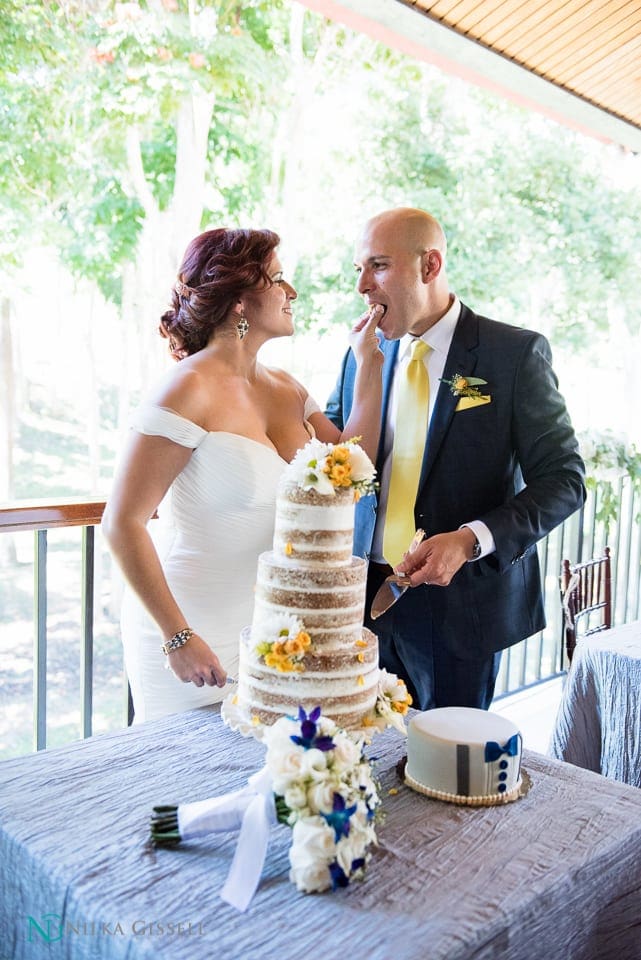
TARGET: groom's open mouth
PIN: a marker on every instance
(373, 306)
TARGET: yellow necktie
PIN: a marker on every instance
(410, 432)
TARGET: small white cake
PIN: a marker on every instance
(464, 755)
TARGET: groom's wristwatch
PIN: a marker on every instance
(178, 640)
(476, 550)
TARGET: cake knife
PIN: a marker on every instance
(393, 588)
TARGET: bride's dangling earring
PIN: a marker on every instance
(242, 326)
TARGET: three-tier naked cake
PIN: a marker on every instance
(307, 646)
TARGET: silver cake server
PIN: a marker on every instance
(393, 588)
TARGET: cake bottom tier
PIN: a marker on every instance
(345, 692)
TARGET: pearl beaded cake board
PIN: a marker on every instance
(492, 800)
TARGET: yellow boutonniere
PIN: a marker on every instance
(462, 386)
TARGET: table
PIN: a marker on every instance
(555, 875)
(598, 725)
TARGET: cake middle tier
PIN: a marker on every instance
(330, 601)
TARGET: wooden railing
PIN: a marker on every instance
(40, 516)
(536, 659)
(45, 515)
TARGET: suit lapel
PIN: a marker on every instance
(461, 358)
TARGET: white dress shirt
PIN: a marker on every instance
(439, 339)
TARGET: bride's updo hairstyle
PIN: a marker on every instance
(217, 268)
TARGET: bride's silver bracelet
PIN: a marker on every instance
(178, 640)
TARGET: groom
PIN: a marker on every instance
(477, 449)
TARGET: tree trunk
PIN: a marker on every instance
(163, 238)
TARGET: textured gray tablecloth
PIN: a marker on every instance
(555, 875)
(598, 725)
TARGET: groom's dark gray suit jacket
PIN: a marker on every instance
(512, 463)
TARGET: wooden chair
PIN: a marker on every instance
(586, 595)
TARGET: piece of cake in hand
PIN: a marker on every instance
(464, 755)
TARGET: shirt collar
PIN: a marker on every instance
(438, 337)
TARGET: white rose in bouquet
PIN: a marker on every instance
(347, 752)
(310, 854)
(286, 768)
(314, 764)
(296, 798)
(320, 795)
(310, 877)
(361, 780)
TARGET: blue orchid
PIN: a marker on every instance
(339, 817)
(308, 730)
(339, 878)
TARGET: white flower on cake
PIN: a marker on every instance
(306, 469)
(392, 702)
(326, 467)
(282, 643)
(363, 470)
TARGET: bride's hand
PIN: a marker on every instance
(363, 340)
(197, 663)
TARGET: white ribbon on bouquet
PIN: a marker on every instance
(252, 812)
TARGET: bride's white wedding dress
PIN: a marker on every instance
(216, 519)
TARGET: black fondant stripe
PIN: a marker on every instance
(462, 769)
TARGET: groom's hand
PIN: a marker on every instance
(436, 560)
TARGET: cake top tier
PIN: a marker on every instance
(464, 725)
(328, 467)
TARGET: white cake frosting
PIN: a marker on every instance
(464, 755)
(306, 529)
(307, 645)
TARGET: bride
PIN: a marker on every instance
(216, 435)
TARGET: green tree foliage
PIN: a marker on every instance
(79, 78)
(535, 226)
(312, 128)
(127, 127)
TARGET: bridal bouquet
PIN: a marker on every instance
(325, 791)
(318, 781)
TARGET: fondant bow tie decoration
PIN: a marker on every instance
(494, 750)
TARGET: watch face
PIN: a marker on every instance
(476, 551)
